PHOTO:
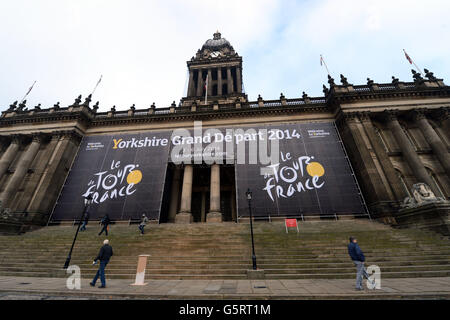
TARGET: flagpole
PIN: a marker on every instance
(326, 67)
(412, 62)
(95, 88)
(29, 90)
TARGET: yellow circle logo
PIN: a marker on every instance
(315, 169)
(134, 177)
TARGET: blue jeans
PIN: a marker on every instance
(83, 226)
(101, 273)
(141, 227)
(360, 273)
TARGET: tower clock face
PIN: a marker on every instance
(215, 54)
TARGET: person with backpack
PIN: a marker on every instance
(105, 223)
(144, 220)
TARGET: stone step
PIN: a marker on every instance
(90, 255)
(223, 251)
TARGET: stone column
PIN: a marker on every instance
(439, 149)
(191, 85)
(214, 214)
(4, 144)
(185, 216)
(174, 194)
(444, 120)
(408, 151)
(383, 157)
(52, 180)
(239, 79)
(21, 170)
(369, 178)
(9, 155)
(219, 81)
(229, 81)
(209, 83)
(199, 83)
(41, 166)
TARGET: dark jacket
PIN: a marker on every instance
(105, 220)
(86, 217)
(105, 253)
(355, 252)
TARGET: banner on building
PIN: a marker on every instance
(124, 173)
(291, 169)
(311, 176)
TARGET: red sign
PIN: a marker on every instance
(291, 223)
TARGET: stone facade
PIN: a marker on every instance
(395, 134)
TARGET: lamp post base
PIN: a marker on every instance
(67, 263)
(256, 274)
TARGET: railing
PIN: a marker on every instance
(303, 217)
(210, 107)
(361, 88)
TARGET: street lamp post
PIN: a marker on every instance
(249, 199)
(87, 203)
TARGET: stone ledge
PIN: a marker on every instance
(432, 216)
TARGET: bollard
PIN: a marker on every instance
(140, 272)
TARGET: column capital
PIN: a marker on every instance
(442, 114)
(70, 135)
(418, 114)
(39, 137)
(17, 138)
(56, 135)
(391, 115)
(365, 116)
(351, 116)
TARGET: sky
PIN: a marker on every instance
(141, 47)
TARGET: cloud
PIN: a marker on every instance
(141, 47)
(357, 38)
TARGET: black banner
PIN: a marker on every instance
(291, 169)
(125, 174)
(311, 177)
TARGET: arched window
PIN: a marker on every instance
(380, 136)
(403, 182)
(436, 182)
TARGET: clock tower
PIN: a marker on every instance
(222, 66)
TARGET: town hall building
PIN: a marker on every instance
(355, 151)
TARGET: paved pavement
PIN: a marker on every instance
(55, 288)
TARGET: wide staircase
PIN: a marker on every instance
(223, 251)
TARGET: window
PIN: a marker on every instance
(380, 135)
(403, 182)
(436, 182)
(411, 140)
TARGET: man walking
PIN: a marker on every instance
(85, 221)
(104, 255)
(358, 258)
(144, 220)
(105, 222)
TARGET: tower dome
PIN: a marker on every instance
(216, 43)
